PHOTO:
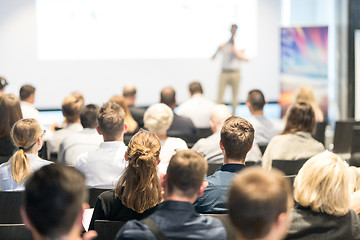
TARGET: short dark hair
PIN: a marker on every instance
(256, 99)
(256, 198)
(26, 91)
(301, 117)
(71, 107)
(111, 119)
(186, 172)
(167, 96)
(53, 199)
(129, 90)
(89, 115)
(237, 136)
(195, 87)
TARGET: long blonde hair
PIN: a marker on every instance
(140, 181)
(24, 134)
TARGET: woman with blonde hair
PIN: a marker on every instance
(138, 191)
(27, 136)
(305, 94)
(322, 191)
(132, 125)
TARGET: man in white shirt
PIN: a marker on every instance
(197, 108)
(104, 166)
(71, 107)
(27, 97)
(86, 140)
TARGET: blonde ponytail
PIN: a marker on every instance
(20, 166)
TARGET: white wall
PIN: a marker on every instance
(98, 80)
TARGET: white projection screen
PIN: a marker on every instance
(97, 46)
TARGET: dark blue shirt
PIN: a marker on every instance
(177, 220)
(215, 195)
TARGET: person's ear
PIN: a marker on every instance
(126, 156)
(221, 145)
(158, 161)
(98, 130)
(125, 128)
(163, 180)
(203, 186)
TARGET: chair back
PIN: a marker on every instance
(320, 132)
(343, 135)
(93, 194)
(10, 203)
(355, 148)
(107, 230)
(289, 167)
(15, 231)
(212, 168)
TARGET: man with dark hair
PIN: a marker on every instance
(265, 129)
(236, 140)
(260, 203)
(129, 94)
(55, 199)
(176, 218)
(181, 125)
(84, 141)
(197, 108)
(105, 165)
(71, 107)
(3, 84)
(27, 99)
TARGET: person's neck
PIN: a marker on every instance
(113, 139)
(233, 161)
(179, 198)
(162, 136)
(76, 121)
(72, 235)
(258, 113)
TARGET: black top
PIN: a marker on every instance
(310, 225)
(109, 207)
(7, 149)
(181, 126)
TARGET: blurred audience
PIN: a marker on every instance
(3, 84)
(27, 99)
(129, 94)
(305, 94)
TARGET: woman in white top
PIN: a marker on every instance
(158, 119)
(27, 136)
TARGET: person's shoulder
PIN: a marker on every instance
(82, 159)
(134, 229)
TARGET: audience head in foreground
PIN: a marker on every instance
(158, 118)
(256, 102)
(323, 190)
(176, 217)
(237, 136)
(260, 204)
(71, 107)
(300, 118)
(55, 198)
(111, 122)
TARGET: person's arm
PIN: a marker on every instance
(217, 51)
(240, 54)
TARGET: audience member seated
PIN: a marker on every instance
(237, 136)
(322, 191)
(157, 119)
(129, 94)
(104, 166)
(176, 218)
(84, 141)
(10, 113)
(305, 94)
(197, 108)
(138, 191)
(27, 136)
(180, 126)
(27, 99)
(260, 204)
(210, 147)
(132, 125)
(265, 128)
(296, 141)
(3, 84)
(71, 107)
(55, 199)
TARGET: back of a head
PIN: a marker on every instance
(26, 91)
(10, 113)
(129, 90)
(121, 101)
(185, 173)
(89, 115)
(301, 117)
(195, 87)
(168, 96)
(256, 100)
(158, 118)
(219, 114)
(140, 181)
(71, 107)
(256, 199)
(53, 199)
(3, 83)
(305, 94)
(237, 136)
(323, 185)
(111, 119)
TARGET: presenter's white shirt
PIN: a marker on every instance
(73, 145)
(104, 166)
(168, 149)
(198, 109)
(29, 111)
(230, 61)
(7, 182)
